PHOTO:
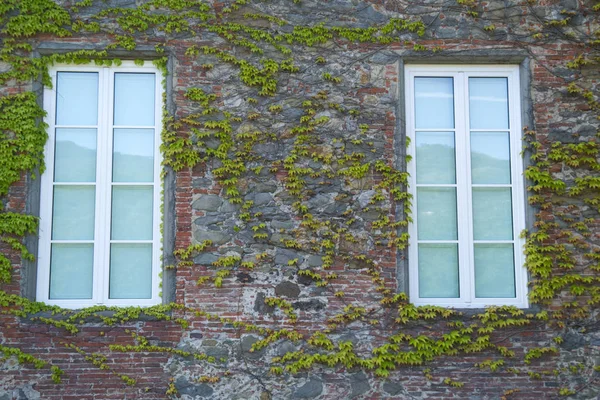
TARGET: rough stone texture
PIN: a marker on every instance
(372, 86)
(359, 383)
(287, 289)
(202, 390)
(309, 390)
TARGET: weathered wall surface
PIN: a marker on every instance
(315, 172)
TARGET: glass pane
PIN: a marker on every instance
(73, 212)
(494, 270)
(488, 103)
(71, 271)
(77, 98)
(438, 270)
(134, 99)
(130, 271)
(490, 157)
(133, 155)
(75, 155)
(436, 213)
(492, 214)
(434, 103)
(132, 213)
(435, 157)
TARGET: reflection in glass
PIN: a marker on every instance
(71, 271)
(488, 103)
(77, 98)
(132, 213)
(434, 103)
(73, 212)
(75, 155)
(134, 99)
(494, 271)
(133, 155)
(438, 270)
(436, 213)
(435, 157)
(490, 158)
(492, 214)
(130, 271)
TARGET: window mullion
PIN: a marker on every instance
(516, 165)
(463, 189)
(103, 188)
(412, 170)
(110, 90)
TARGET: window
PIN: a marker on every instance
(464, 127)
(100, 193)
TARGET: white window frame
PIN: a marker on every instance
(102, 241)
(461, 73)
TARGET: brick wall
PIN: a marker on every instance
(371, 78)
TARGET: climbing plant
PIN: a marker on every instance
(276, 63)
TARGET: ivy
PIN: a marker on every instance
(262, 57)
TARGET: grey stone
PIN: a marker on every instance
(268, 150)
(315, 261)
(370, 215)
(216, 237)
(365, 197)
(309, 305)
(183, 386)
(319, 201)
(246, 346)
(573, 340)
(264, 187)
(285, 348)
(5, 396)
(262, 199)
(562, 135)
(282, 224)
(282, 256)
(287, 289)
(244, 277)
(218, 351)
(305, 280)
(201, 182)
(210, 219)
(587, 130)
(384, 57)
(205, 259)
(207, 202)
(260, 306)
(228, 207)
(569, 4)
(359, 383)
(309, 390)
(393, 388)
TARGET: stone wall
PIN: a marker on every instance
(364, 124)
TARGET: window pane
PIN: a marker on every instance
(71, 271)
(438, 270)
(494, 270)
(435, 157)
(488, 103)
(133, 155)
(134, 99)
(130, 271)
(490, 157)
(492, 214)
(132, 213)
(73, 212)
(436, 213)
(75, 155)
(77, 98)
(434, 103)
